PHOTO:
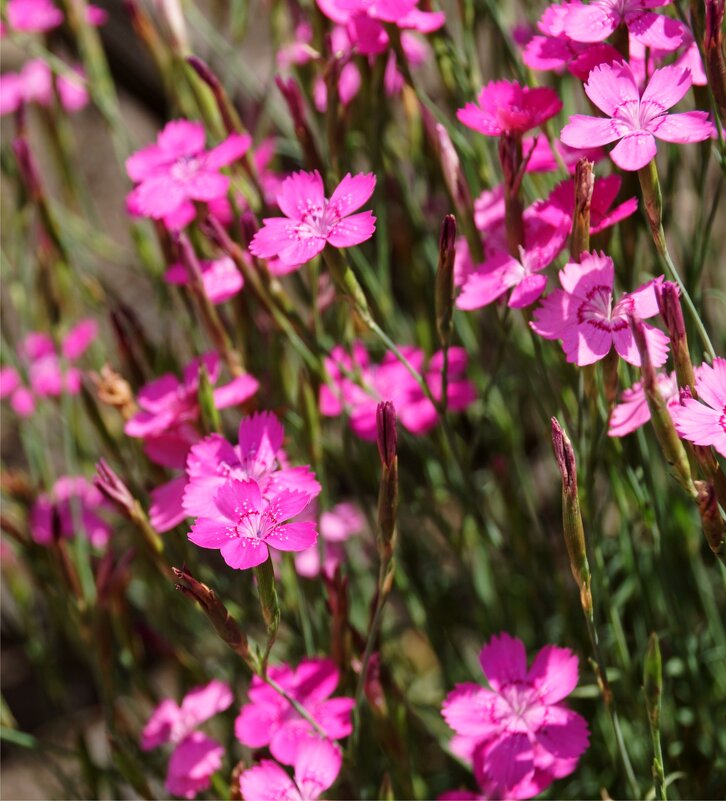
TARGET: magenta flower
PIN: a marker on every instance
(365, 17)
(258, 456)
(34, 84)
(583, 316)
(632, 411)
(634, 119)
(506, 107)
(703, 421)
(597, 20)
(221, 278)
(337, 525)
(177, 171)
(39, 16)
(245, 524)
(70, 508)
(316, 768)
(195, 757)
(311, 220)
(269, 720)
(518, 734)
(391, 381)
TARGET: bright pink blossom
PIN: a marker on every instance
(632, 410)
(358, 386)
(584, 317)
(70, 508)
(703, 421)
(316, 768)
(599, 19)
(506, 107)
(269, 720)
(337, 525)
(39, 16)
(635, 119)
(518, 734)
(311, 220)
(196, 756)
(259, 456)
(220, 277)
(365, 19)
(34, 84)
(177, 171)
(245, 524)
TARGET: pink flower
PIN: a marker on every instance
(39, 16)
(70, 508)
(259, 456)
(632, 411)
(269, 720)
(506, 107)
(391, 381)
(336, 526)
(597, 20)
(703, 421)
(311, 220)
(245, 524)
(583, 316)
(195, 757)
(633, 119)
(518, 734)
(22, 400)
(316, 768)
(220, 277)
(177, 171)
(368, 16)
(34, 84)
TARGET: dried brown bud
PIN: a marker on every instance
(115, 391)
(669, 305)
(711, 520)
(444, 289)
(584, 185)
(386, 434)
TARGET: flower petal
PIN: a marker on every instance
(634, 150)
(503, 660)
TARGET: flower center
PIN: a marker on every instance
(248, 522)
(722, 420)
(185, 168)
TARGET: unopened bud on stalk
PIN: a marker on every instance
(667, 294)
(444, 292)
(510, 157)
(27, 168)
(387, 440)
(711, 520)
(668, 439)
(713, 44)
(228, 113)
(653, 203)
(584, 185)
(653, 679)
(571, 516)
(451, 169)
(173, 15)
(209, 413)
(224, 624)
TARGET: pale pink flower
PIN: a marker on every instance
(177, 171)
(220, 277)
(584, 316)
(269, 720)
(311, 220)
(259, 456)
(635, 119)
(518, 734)
(21, 398)
(632, 410)
(337, 525)
(70, 508)
(506, 107)
(196, 756)
(316, 768)
(703, 421)
(597, 20)
(245, 524)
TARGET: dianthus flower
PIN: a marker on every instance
(245, 523)
(583, 316)
(311, 220)
(220, 278)
(634, 119)
(505, 107)
(259, 456)
(518, 734)
(336, 526)
(359, 386)
(703, 421)
(177, 171)
(70, 508)
(316, 768)
(269, 720)
(34, 84)
(632, 410)
(39, 16)
(365, 20)
(196, 756)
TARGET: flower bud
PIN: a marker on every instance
(572, 526)
(444, 290)
(386, 434)
(584, 185)
(713, 44)
(667, 294)
(711, 520)
(510, 157)
(228, 113)
(111, 486)
(653, 680)
(451, 169)
(388, 487)
(174, 18)
(28, 170)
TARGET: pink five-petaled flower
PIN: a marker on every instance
(595, 21)
(178, 170)
(220, 278)
(311, 219)
(259, 456)
(269, 720)
(70, 508)
(316, 768)
(336, 526)
(518, 734)
(195, 757)
(245, 524)
(705, 423)
(634, 119)
(582, 314)
(632, 411)
(506, 107)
